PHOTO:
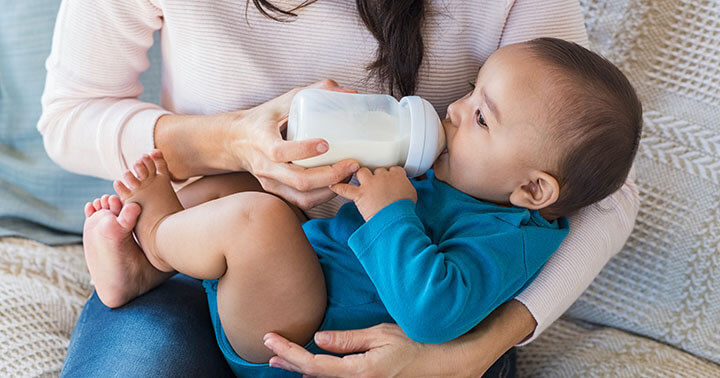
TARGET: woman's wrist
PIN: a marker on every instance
(197, 145)
(473, 353)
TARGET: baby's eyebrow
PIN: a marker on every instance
(491, 105)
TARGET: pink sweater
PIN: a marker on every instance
(214, 60)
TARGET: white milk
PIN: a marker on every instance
(376, 143)
(375, 130)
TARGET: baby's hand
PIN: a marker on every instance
(377, 189)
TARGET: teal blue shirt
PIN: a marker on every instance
(442, 265)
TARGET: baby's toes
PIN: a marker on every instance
(97, 204)
(160, 162)
(121, 189)
(149, 165)
(141, 170)
(115, 204)
(104, 202)
(130, 180)
(89, 209)
(128, 215)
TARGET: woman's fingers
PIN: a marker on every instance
(359, 340)
(280, 105)
(304, 179)
(304, 200)
(279, 363)
(282, 151)
(381, 350)
(296, 358)
(303, 187)
(331, 85)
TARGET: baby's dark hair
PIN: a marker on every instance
(596, 120)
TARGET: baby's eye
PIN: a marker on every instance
(480, 118)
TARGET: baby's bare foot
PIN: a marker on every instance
(150, 188)
(117, 266)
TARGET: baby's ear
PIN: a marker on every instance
(540, 191)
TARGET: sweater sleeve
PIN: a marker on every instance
(92, 121)
(528, 19)
(597, 233)
(437, 292)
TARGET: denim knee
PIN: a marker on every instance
(165, 332)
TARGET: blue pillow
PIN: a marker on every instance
(38, 199)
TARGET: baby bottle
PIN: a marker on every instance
(374, 129)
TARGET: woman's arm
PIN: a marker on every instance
(387, 351)
(597, 233)
(94, 124)
(250, 140)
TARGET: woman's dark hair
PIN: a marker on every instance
(597, 121)
(396, 25)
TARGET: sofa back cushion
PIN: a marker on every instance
(665, 283)
(38, 199)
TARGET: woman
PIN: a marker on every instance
(222, 59)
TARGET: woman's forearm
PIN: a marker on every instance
(195, 145)
(473, 353)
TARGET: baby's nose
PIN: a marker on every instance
(447, 122)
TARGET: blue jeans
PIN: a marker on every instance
(165, 333)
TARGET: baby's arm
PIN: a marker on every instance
(439, 292)
(434, 292)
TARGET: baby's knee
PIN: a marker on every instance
(255, 207)
(260, 223)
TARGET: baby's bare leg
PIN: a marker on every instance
(270, 279)
(213, 187)
(117, 265)
(270, 276)
(209, 188)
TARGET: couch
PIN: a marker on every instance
(654, 310)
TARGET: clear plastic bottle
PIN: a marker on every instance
(374, 129)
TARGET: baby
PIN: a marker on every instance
(549, 128)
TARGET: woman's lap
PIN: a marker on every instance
(165, 332)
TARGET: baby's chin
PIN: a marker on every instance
(439, 169)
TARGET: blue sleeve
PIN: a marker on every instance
(439, 292)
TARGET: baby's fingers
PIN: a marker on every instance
(348, 191)
(363, 174)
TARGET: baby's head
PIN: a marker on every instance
(549, 126)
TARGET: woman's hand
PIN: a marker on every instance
(251, 140)
(256, 140)
(384, 350)
(377, 189)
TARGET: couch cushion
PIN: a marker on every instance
(664, 284)
(578, 349)
(38, 199)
